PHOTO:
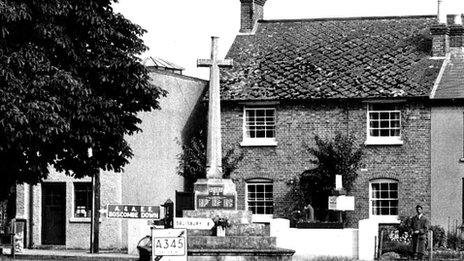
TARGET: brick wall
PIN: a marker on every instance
(440, 40)
(251, 12)
(297, 124)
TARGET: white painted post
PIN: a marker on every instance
(431, 245)
(338, 182)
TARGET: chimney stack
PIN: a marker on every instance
(448, 33)
(251, 12)
(440, 40)
(456, 31)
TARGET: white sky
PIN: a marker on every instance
(180, 31)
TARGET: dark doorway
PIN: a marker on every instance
(184, 201)
(53, 213)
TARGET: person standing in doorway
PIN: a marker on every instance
(419, 227)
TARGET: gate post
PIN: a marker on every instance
(168, 213)
(431, 245)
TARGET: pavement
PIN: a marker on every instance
(81, 255)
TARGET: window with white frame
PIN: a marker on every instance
(383, 197)
(259, 125)
(82, 199)
(260, 197)
(384, 123)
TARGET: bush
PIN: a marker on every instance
(453, 241)
(439, 236)
(397, 238)
(402, 248)
(446, 254)
(340, 155)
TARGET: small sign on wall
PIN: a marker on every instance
(333, 203)
(341, 203)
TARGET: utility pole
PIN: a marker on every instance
(92, 212)
(95, 216)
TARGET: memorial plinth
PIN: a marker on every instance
(215, 194)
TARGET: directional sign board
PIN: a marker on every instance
(133, 211)
(194, 223)
(169, 244)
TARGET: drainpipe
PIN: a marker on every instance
(31, 215)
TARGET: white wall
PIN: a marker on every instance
(447, 167)
(151, 177)
(315, 242)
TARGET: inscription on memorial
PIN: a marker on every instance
(215, 202)
(216, 190)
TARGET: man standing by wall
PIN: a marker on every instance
(419, 227)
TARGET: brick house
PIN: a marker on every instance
(370, 77)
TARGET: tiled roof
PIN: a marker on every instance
(380, 57)
(451, 83)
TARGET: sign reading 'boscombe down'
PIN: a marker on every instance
(133, 211)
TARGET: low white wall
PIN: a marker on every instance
(315, 242)
(137, 229)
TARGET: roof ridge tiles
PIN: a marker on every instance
(318, 19)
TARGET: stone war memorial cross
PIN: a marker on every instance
(214, 192)
(216, 198)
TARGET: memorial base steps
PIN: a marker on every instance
(275, 254)
(243, 240)
(231, 242)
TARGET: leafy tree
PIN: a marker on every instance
(192, 159)
(70, 80)
(339, 155)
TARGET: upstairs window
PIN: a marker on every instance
(259, 126)
(383, 124)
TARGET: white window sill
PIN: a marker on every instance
(80, 220)
(257, 218)
(383, 141)
(385, 219)
(259, 142)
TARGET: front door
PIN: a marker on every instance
(53, 213)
